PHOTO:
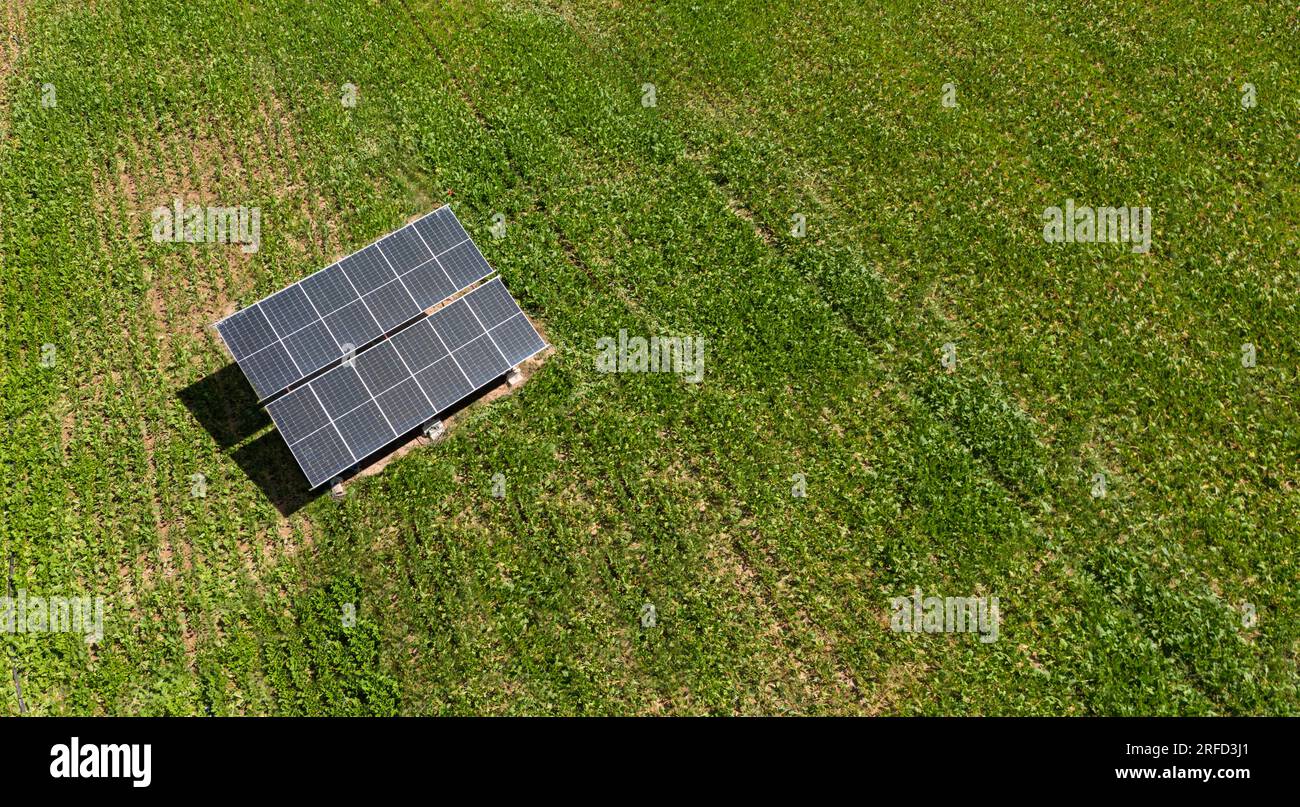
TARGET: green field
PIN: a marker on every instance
(1175, 592)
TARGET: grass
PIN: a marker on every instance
(823, 358)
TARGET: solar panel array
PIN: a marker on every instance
(322, 318)
(351, 411)
(375, 366)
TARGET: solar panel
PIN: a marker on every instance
(444, 383)
(511, 332)
(480, 360)
(381, 367)
(365, 429)
(321, 319)
(517, 339)
(321, 453)
(351, 411)
(367, 270)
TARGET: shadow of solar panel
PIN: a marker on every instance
(455, 324)
(441, 230)
(322, 454)
(464, 264)
(517, 339)
(297, 414)
(365, 429)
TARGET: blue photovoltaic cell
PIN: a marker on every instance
(517, 339)
(492, 303)
(340, 390)
(481, 361)
(405, 406)
(297, 414)
(312, 348)
(441, 230)
(391, 305)
(289, 310)
(419, 345)
(367, 269)
(456, 324)
(464, 264)
(444, 383)
(405, 250)
(270, 370)
(322, 454)
(353, 325)
(365, 429)
(429, 284)
(381, 368)
(329, 289)
(246, 332)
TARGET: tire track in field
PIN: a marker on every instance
(13, 656)
(14, 17)
(907, 388)
(932, 310)
(768, 597)
(571, 253)
(767, 603)
(904, 390)
(1143, 503)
